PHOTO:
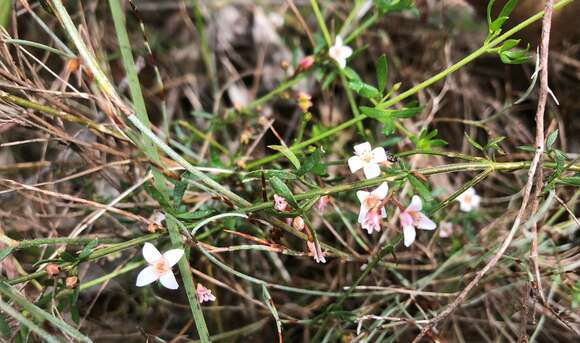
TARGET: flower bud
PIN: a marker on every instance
(298, 223)
(52, 269)
(71, 282)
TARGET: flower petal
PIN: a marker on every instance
(362, 148)
(172, 256)
(409, 234)
(465, 206)
(150, 253)
(341, 62)
(338, 41)
(475, 200)
(362, 196)
(168, 280)
(346, 52)
(406, 219)
(381, 191)
(383, 212)
(416, 204)
(423, 222)
(355, 163)
(146, 276)
(362, 214)
(379, 155)
(372, 170)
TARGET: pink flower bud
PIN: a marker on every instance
(280, 203)
(305, 63)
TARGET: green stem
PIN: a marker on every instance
(188, 283)
(321, 23)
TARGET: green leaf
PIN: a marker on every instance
(508, 8)
(350, 74)
(571, 180)
(282, 190)
(313, 164)
(158, 196)
(88, 249)
(282, 174)
(473, 142)
(178, 192)
(284, 150)
(421, 188)
(369, 92)
(497, 24)
(4, 252)
(514, 56)
(391, 6)
(509, 44)
(382, 73)
(194, 215)
(4, 327)
(551, 139)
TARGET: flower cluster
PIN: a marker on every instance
(372, 204)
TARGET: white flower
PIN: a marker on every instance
(468, 200)
(412, 218)
(367, 159)
(370, 205)
(159, 267)
(339, 52)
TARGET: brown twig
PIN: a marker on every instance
(542, 98)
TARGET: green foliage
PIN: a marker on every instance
(391, 6)
(420, 187)
(473, 143)
(388, 116)
(279, 187)
(382, 73)
(313, 163)
(427, 140)
(288, 153)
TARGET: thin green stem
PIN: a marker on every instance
(320, 19)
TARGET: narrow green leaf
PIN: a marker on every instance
(551, 139)
(421, 188)
(382, 73)
(88, 249)
(194, 215)
(508, 8)
(282, 190)
(178, 192)
(473, 142)
(288, 153)
(4, 252)
(571, 180)
(4, 327)
(188, 283)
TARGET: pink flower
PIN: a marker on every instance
(203, 294)
(371, 209)
(318, 254)
(412, 218)
(445, 229)
(322, 203)
(280, 203)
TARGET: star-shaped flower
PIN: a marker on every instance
(159, 266)
(412, 218)
(468, 200)
(371, 208)
(367, 159)
(340, 52)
